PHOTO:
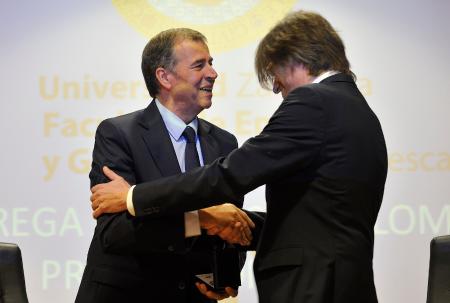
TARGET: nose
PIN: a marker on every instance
(212, 74)
(276, 87)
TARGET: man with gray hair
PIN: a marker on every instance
(135, 258)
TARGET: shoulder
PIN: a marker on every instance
(309, 91)
(318, 95)
(331, 88)
(301, 99)
(219, 133)
(122, 122)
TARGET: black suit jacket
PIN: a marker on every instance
(144, 259)
(323, 159)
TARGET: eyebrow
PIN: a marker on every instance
(210, 60)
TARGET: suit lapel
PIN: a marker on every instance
(157, 140)
(210, 146)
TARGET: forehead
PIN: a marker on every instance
(188, 50)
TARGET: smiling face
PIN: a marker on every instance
(193, 72)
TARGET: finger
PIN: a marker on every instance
(95, 188)
(247, 223)
(110, 173)
(238, 231)
(230, 234)
(245, 218)
(212, 231)
(245, 230)
(242, 240)
(97, 213)
(248, 220)
(233, 236)
(243, 234)
(231, 291)
(216, 295)
(201, 287)
(95, 202)
(209, 293)
(94, 196)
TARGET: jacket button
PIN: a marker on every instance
(170, 248)
(181, 285)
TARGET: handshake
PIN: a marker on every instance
(228, 222)
(225, 220)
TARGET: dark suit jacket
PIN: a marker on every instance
(139, 259)
(323, 159)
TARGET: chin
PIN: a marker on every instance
(205, 103)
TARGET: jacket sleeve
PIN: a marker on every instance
(290, 143)
(122, 233)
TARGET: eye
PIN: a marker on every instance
(198, 66)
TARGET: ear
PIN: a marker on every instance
(164, 78)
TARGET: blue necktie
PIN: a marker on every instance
(191, 159)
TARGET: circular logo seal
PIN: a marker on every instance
(227, 24)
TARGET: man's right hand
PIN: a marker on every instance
(228, 222)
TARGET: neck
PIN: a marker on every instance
(184, 111)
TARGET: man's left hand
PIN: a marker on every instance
(110, 197)
(229, 292)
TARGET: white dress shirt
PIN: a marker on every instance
(175, 126)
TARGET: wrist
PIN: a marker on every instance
(205, 217)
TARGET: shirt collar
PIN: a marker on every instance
(175, 126)
(325, 75)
